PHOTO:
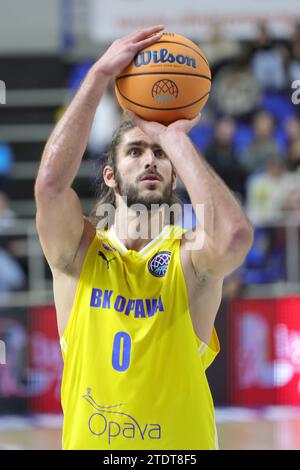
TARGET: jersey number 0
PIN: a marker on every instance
(121, 351)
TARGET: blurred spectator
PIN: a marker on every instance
(7, 215)
(236, 92)
(6, 163)
(220, 49)
(12, 276)
(222, 157)
(296, 34)
(268, 63)
(263, 39)
(263, 147)
(7, 220)
(294, 156)
(292, 201)
(294, 66)
(268, 192)
(292, 129)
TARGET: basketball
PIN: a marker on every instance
(166, 81)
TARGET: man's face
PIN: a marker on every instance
(144, 173)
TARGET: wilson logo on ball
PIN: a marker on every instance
(165, 91)
(163, 56)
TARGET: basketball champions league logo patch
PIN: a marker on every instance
(158, 264)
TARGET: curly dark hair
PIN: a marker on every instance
(105, 194)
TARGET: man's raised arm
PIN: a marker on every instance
(59, 217)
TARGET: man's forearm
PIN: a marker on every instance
(223, 213)
(66, 146)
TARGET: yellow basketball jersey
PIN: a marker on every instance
(134, 369)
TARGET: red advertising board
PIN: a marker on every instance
(265, 351)
(45, 361)
(13, 366)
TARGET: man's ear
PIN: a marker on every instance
(109, 177)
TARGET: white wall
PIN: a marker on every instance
(110, 19)
(29, 26)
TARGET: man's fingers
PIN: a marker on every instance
(145, 33)
(132, 116)
(135, 119)
(186, 124)
(146, 42)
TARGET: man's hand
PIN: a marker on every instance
(160, 133)
(123, 50)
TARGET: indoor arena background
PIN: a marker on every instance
(250, 134)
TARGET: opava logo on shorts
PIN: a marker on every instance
(106, 422)
(158, 264)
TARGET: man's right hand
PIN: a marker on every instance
(123, 50)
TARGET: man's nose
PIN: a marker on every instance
(150, 159)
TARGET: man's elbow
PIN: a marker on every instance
(241, 238)
(47, 186)
(233, 254)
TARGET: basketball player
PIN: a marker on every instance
(135, 314)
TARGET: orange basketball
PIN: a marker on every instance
(166, 81)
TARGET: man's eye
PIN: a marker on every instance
(134, 151)
(159, 153)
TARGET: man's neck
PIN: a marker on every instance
(136, 230)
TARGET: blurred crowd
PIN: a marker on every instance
(249, 132)
(253, 142)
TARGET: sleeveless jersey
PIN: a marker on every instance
(134, 369)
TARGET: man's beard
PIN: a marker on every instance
(133, 195)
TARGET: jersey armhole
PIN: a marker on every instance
(64, 336)
(208, 352)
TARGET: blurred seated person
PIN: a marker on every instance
(219, 48)
(7, 220)
(268, 61)
(12, 276)
(268, 191)
(221, 155)
(292, 129)
(7, 215)
(294, 65)
(263, 147)
(292, 202)
(293, 161)
(296, 33)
